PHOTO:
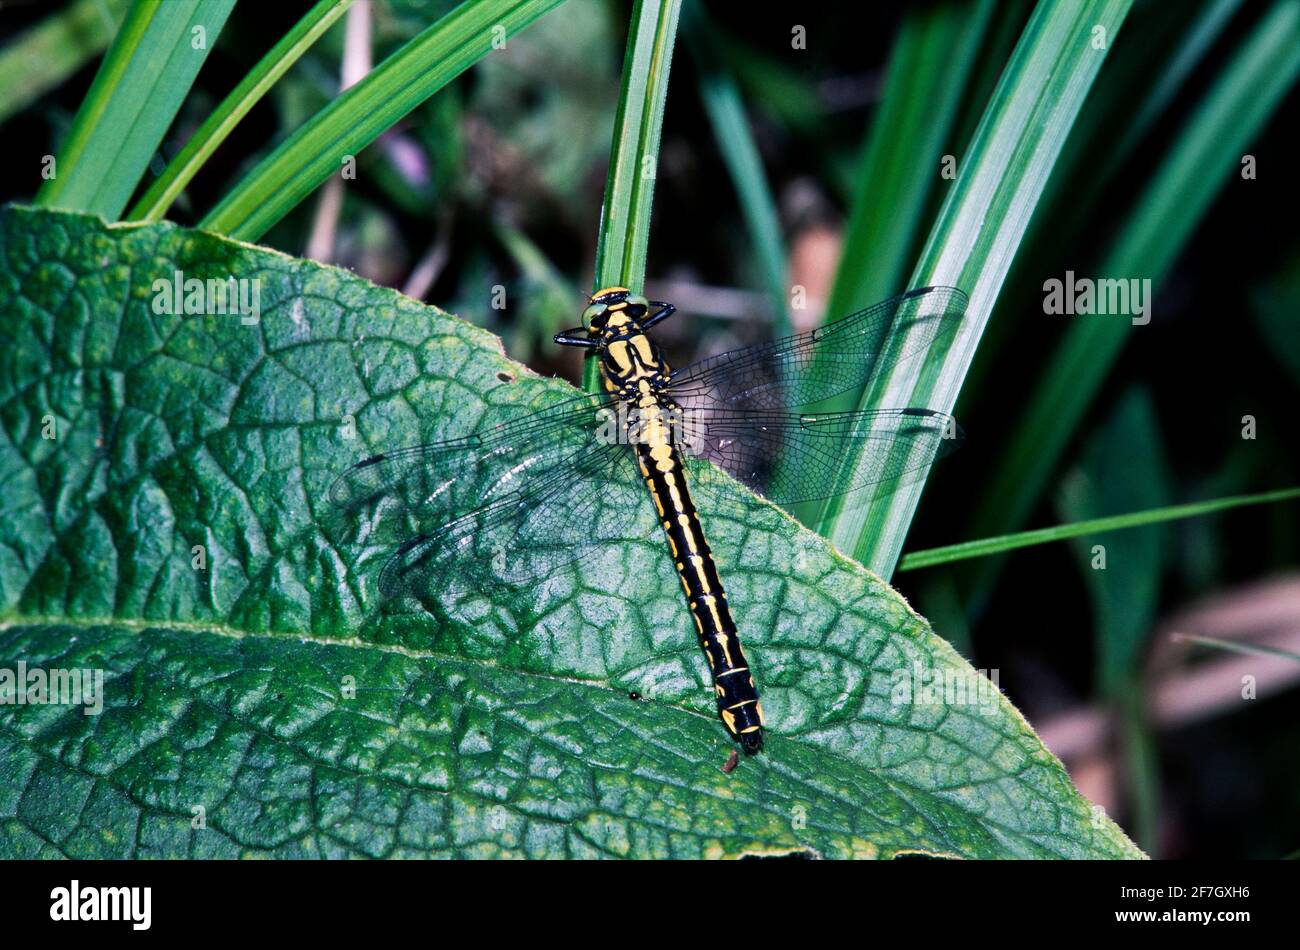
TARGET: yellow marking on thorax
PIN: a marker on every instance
(618, 353)
(642, 346)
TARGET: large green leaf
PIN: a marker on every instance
(498, 723)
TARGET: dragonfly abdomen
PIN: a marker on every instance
(733, 682)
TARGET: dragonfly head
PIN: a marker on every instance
(609, 311)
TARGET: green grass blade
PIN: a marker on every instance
(929, 68)
(726, 112)
(899, 171)
(979, 231)
(995, 51)
(629, 185)
(788, 95)
(1123, 601)
(160, 195)
(1274, 306)
(1095, 152)
(548, 299)
(1202, 161)
(984, 547)
(360, 115)
(1141, 764)
(1204, 33)
(135, 96)
(48, 53)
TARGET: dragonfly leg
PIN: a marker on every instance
(660, 312)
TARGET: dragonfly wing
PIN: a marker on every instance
(794, 457)
(461, 474)
(512, 504)
(806, 368)
(562, 516)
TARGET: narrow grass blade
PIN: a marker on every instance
(360, 115)
(929, 68)
(1205, 32)
(44, 56)
(900, 168)
(135, 96)
(629, 185)
(995, 51)
(979, 231)
(1024, 539)
(726, 112)
(1123, 600)
(1201, 162)
(1274, 307)
(783, 92)
(160, 195)
(1094, 152)
(548, 296)
(789, 96)
(1141, 765)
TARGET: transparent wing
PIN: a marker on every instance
(806, 368)
(511, 505)
(795, 457)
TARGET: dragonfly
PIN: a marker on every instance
(514, 503)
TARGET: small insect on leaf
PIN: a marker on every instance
(540, 491)
(731, 762)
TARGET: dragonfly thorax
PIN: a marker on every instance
(615, 324)
(631, 362)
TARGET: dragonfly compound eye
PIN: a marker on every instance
(594, 316)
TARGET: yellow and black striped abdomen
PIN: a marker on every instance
(732, 680)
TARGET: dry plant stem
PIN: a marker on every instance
(719, 303)
(1177, 701)
(357, 61)
(1266, 614)
(426, 271)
